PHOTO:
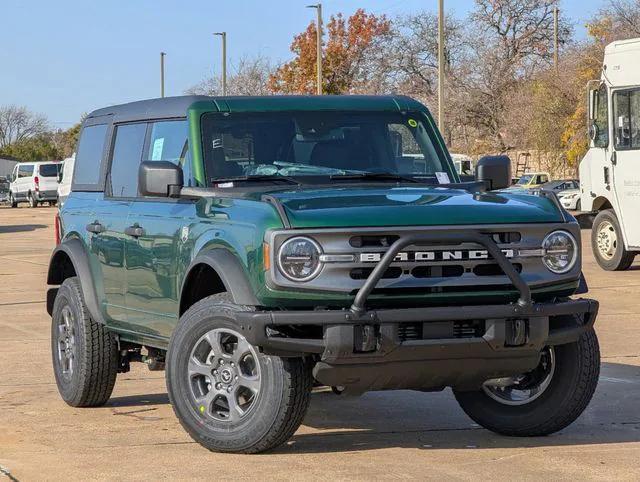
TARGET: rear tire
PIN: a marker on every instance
(32, 200)
(607, 243)
(571, 387)
(259, 410)
(84, 352)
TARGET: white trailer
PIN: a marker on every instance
(610, 171)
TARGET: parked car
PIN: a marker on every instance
(4, 189)
(34, 182)
(64, 179)
(464, 166)
(568, 192)
(609, 171)
(255, 246)
(531, 180)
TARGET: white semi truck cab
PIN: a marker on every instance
(610, 170)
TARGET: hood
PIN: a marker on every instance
(411, 206)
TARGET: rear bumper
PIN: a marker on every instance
(370, 350)
(46, 195)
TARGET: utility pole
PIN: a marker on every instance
(162, 54)
(318, 8)
(441, 66)
(556, 14)
(224, 61)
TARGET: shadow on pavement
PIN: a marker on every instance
(19, 228)
(433, 421)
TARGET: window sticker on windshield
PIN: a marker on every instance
(442, 177)
(156, 154)
(412, 123)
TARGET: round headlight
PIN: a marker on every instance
(299, 259)
(560, 252)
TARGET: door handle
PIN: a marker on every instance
(134, 231)
(607, 181)
(95, 227)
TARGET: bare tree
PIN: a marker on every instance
(624, 16)
(249, 77)
(17, 123)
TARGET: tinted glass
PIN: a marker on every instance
(602, 119)
(89, 155)
(49, 170)
(319, 144)
(127, 153)
(25, 171)
(626, 112)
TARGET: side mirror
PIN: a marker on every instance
(160, 179)
(494, 171)
(593, 105)
(59, 176)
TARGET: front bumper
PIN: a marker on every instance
(367, 351)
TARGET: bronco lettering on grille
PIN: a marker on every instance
(434, 256)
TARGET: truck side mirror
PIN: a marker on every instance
(160, 179)
(494, 171)
(593, 104)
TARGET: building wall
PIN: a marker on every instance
(6, 166)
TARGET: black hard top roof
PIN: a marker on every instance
(176, 107)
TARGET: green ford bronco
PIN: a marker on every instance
(258, 246)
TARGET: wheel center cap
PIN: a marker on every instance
(226, 375)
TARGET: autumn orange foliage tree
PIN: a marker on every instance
(346, 53)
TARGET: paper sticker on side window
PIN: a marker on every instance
(156, 154)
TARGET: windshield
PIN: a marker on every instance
(525, 179)
(319, 144)
(49, 170)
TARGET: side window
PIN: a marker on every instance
(602, 119)
(25, 171)
(125, 160)
(169, 142)
(626, 118)
(89, 155)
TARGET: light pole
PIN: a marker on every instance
(318, 8)
(224, 60)
(556, 15)
(162, 54)
(441, 66)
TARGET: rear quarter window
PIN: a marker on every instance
(89, 156)
(49, 170)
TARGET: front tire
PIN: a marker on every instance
(226, 394)
(12, 201)
(564, 396)
(85, 353)
(607, 243)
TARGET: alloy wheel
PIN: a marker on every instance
(526, 388)
(224, 375)
(66, 342)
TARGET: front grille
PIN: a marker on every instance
(363, 273)
(441, 330)
(493, 269)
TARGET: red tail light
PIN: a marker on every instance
(57, 229)
(37, 181)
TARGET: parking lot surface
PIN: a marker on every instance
(382, 435)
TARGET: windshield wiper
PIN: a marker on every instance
(257, 177)
(373, 176)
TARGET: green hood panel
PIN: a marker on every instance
(410, 206)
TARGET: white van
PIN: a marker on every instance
(34, 182)
(610, 171)
(64, 179)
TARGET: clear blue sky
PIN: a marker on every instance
(62, 58)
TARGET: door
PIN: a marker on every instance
(24, 180)
(595, 168)
(111, 213)
(156, 254)
(626, 162)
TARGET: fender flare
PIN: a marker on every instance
(231, 273)
(77, 253)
